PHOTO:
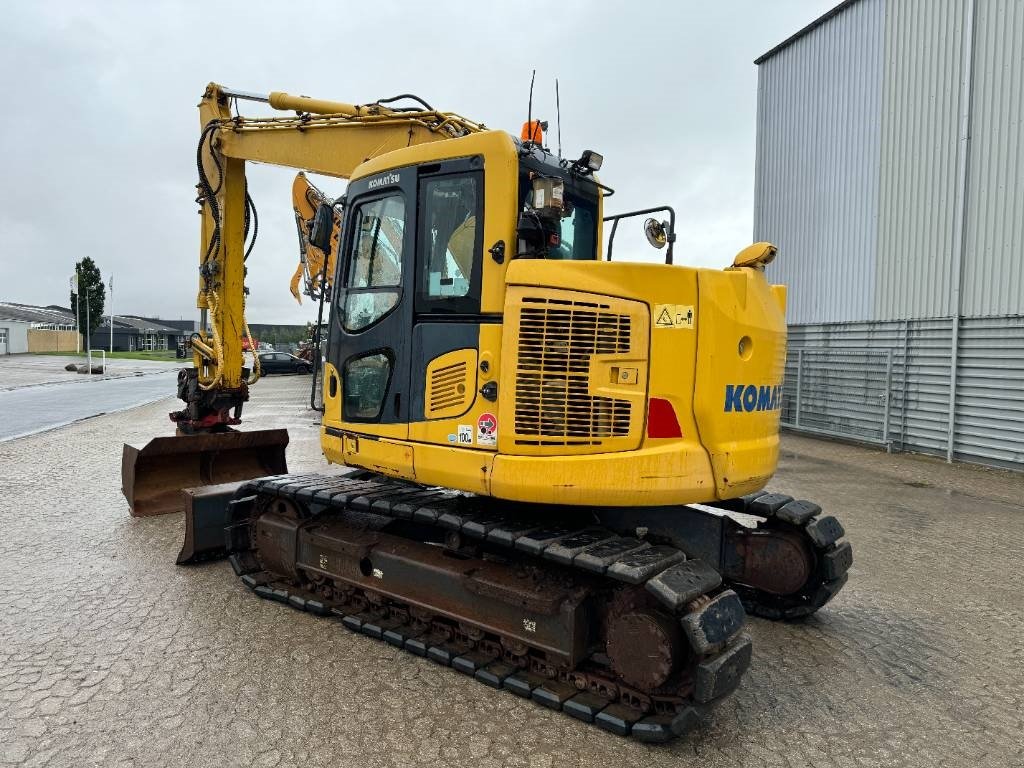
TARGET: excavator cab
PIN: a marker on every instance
(481, 340)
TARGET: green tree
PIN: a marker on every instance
(93, 295)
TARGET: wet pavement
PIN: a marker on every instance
(31, 370)
(111, 655)
(30, 409)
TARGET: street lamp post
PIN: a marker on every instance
(78, 333)
(111, 313)
(88, 336)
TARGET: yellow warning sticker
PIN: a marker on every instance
(673, 316)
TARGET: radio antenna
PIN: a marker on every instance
(558, 119)
(529, 111)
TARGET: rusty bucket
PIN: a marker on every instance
(153, 477)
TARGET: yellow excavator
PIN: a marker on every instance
(558, 459)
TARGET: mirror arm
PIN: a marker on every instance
(629, 214)
(611, 237)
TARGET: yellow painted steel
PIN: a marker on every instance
(719, 454)
(445, 431)
(741, 341)
(450, 385)
(710, 343)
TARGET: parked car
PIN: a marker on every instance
(282, 362)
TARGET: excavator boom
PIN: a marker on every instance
(326, 137)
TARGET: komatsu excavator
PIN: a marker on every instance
(549, 448)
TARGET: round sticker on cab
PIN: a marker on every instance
(487, 429)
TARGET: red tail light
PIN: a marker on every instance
(661, 419)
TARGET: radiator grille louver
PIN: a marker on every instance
(557, 339)
(448, 387)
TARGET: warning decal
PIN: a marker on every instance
(673, 316)
(487, 429)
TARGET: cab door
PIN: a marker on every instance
(448, 317)
(370, 337)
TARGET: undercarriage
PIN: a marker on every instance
(633, 626)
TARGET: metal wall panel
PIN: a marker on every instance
(989, 409)
(990, 392)
(920, 129)
(816, 179)
(919, 405)
(993, 268)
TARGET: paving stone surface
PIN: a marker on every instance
(110, 655)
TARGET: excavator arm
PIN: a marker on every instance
(310, 274)
(325, 137)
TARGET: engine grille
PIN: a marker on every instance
(557, 338)
(448, 387)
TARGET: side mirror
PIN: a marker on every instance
(323, 224)
(656, 233)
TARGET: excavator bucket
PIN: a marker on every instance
(153, 477)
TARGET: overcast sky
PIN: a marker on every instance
(100, 128)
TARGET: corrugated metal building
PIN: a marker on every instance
(890, 173)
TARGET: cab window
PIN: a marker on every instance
(450, 243)
(374, 274)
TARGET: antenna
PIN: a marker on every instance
(529, 109)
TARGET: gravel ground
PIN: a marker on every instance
(111, 655)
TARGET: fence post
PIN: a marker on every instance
(888, 400)
(799, 377)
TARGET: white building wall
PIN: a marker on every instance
(17, 337)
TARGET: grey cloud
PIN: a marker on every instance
(100, 127)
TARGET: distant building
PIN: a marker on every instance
(20, 322)
(188, 326)
(132, 334)
(890, 174)
(16, 320)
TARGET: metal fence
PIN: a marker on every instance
(839, 393)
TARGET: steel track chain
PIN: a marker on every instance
(664, 571)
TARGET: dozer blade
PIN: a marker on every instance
(206, 516)
(153, 477)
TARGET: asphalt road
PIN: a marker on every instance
(31, 409)
(111, 655)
